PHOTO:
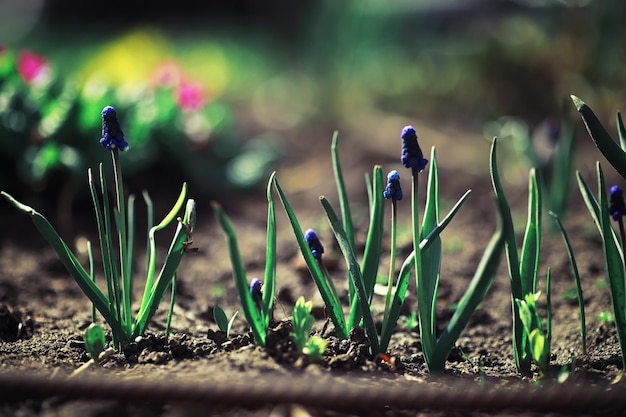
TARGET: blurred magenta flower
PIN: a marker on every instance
(191, 96)
(32, 68)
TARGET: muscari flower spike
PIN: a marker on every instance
(393, 189)
(412, 156)
(617, 208)
(112, 134)
(256, 290)
(314, 244)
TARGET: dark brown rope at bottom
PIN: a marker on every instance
(330, 393)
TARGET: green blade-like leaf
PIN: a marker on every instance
(621, 130)
(105, 247)
(431, 257)
(344, 202)
(605, 143)
(84, 281)
(354, 271)
(522, 363)
(220, 317)
(94, 340)
(250, 311)
(579, 290)
(473, 296)
(405, 272)
(614, 266)
(269, 282)
(594, 208)
(168, 271)
(333, 307)
(152, 249)
(529, 259)
(373, 245)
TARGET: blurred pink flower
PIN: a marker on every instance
(191, 96)
(32, 67)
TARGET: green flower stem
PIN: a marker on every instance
(92, 274)
(123, 243)
(392, 263)
(423, 298)
(405, 273)
(329, 280)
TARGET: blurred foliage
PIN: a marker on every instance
(459, 62)
(177, 125)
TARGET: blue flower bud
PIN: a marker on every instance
(256, 292)
(412, 156)
(617, 208)
(393, 189)
(112, 134)
(314, 244)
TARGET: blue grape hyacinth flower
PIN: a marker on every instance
(112, 134)
(617, 208)
(314, 244)
(412, 156)
(256, 292)
(393, 189)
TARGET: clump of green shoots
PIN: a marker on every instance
(302, 323)
(604, 208)
(223, 322)
(362, 275)
(256, 297)
(531, 341)
(116, 232)
(538, 337)
(426, 260)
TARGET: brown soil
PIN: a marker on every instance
(218, 377)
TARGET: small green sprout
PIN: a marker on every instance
(538, 338)
(95, 341)
(302, 323)
(223, 322)
(606, 317)
(116, 305)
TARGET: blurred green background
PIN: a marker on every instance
(208, 93)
